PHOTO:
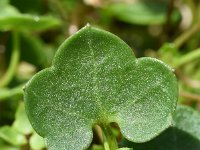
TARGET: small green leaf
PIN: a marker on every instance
(12, 136)
(21, 122)
(10, 18)
(36, 142)
(184, 135)
(169, 53)
(96, 79)
(141, 12)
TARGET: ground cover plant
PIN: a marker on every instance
(86, 88)
(95, 79)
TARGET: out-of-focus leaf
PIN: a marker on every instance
(12, 19)
(5, 146)
(168, 53)
(188, 120)
(8, 10)
(27, 22)
(36, 142)
(12, 136)
(3, 3)
(33, 51)
(141, 12)
(184, 135)
(21, 122)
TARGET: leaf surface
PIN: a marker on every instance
(184, 135)
(96, 79)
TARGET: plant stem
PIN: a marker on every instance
(187, 58)
(7, 77)
(186, 35)
(169, 13)
(7, 93)
(109, 139)
(191, 96)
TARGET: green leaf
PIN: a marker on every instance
(36, 142)
(5, 146)
(184, 135)
(8, 10)
(3, 3)
(188, 120)
(10, 18)
(12, 136)
(33, 50)
(141, 12)
(21, 122)
(96, 79)
(168, 53)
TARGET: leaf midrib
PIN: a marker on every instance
(103, 111)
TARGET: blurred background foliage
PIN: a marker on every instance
(32, 30)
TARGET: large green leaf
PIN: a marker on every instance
(10, 18)
(184, 135)
(141, 12)
(96, 79)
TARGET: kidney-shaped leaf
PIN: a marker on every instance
(183, 135)
(96, 79)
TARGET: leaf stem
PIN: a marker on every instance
(7, 93)
(7, 77)
(186, 35)
(187, 58)
(109, 139)
(191, 96)
(167, 25)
